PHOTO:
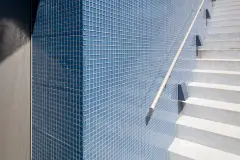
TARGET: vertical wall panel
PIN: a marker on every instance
(15, 105)
(15, 80)
(97, 65)
(57, 81)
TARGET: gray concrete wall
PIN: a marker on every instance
(15, 105)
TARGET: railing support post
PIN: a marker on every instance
(182, 95)
(208, 16)
(198, 43)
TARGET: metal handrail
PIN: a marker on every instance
(165, 80)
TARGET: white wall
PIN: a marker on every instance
(15, 105)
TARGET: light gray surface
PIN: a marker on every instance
(15, 106)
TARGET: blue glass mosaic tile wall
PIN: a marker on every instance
(97, 65)
(57, 81)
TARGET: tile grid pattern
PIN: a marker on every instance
(57, 81)
(100, 62)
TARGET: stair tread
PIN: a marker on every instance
(199, 152)
(225, 33)
(225, 9)
(211, 49)
(219, 6)
(225, 40)
(213, 20)
(224, 14)
(229, 38)
(226, 1)
(214, 104)
(215, 26)
(224, 60)
(215, 86)
(211, 32)
(210, 126)
(230, 14)
(229, 34)
(219, 20)
(216, 71)
(225, 26)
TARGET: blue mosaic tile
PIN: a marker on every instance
(97, 65)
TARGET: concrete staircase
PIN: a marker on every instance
(209, 125)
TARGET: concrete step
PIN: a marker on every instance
(209, 133)
(218, 2)
(209, 127)
(185, 150)
(218, 64)
(224, 20)
(217, 9)
(217, 92)
(221, 23)
(226, 5)
(223, 36)
(219, 54)
(224, 112)
(223, 44)
(224, 29)
(216, 77)
(225, 17)
(230, 12)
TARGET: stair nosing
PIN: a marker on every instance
(223, 60)
(224, 33)
(217, 33)
(217, 16)
(210, 49)
(215, 86)
(216, 71)
(211, 33)
(220, 7)
(215, 11)
(228, 40)
(222, 2)
(231, 19)
(238, 25)
(216, 50)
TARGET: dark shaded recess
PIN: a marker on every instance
(17, 18)
(34, 13)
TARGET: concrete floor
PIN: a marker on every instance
(15, 106)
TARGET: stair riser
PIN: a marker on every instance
(223, 116)
(224, 23)
(218, 65)
(225, 6)
(226, 29)
(214, 94)
(224, 143)
(225, 54)
(174, 156)
(225, 13)
(223, 9)
(225, 17)
(224, 36)
(219, 30)
(222, 44)
(216, 78)
(225, 2)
